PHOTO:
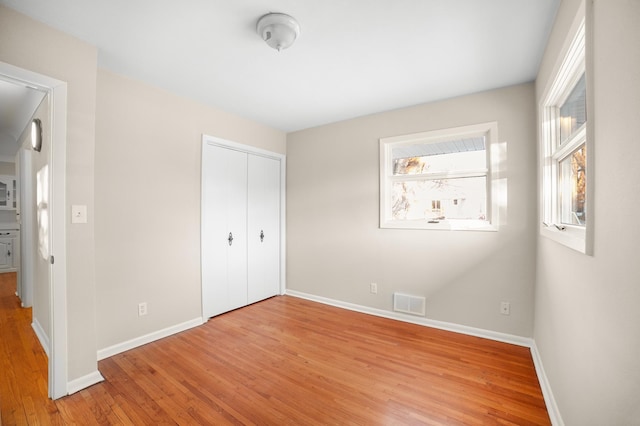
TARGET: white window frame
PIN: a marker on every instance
(488, 130)
(552, 150)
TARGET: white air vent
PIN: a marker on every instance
(414, 305)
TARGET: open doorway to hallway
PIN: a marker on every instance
(24, 279)
(46, 206)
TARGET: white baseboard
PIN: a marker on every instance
(147, 338)
(552, 407)
(549, 400)
(84, 382)
(41, 335)
(457, 328)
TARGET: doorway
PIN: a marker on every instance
(54, 219)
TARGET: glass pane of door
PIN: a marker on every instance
(3, 194)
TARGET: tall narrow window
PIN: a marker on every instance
(565, 150)
(439, 180)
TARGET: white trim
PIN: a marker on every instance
(549, 400)
(84, 382)
(456, 328)
(225, 143)
(573, 240)
(492, 174)
(571, 63)
(41, 335)
(58, 241)
(57, 91)
(591, 109)
(283, 225)
(147, 338)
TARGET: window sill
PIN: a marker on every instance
(573, 237)
(443, 225)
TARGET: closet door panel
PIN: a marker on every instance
(224, 226)
(263, 228)
(237, 220)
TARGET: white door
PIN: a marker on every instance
(263, 227)
(224, 229)
(241, 225)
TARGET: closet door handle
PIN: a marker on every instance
(261, 236)
(230, 239)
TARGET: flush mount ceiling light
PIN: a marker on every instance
(278, 30)
(36, 134)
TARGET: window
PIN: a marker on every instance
(439, 180)
(565, 150)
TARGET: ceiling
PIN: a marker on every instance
(353, 57)
(18, 103)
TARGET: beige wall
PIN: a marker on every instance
(587, 322)
(148, 153)
(36, 47)
(335, 247)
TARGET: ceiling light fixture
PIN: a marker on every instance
(278, 30)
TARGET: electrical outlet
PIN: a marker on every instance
(505, 308)
(142, 309)
(373, 288)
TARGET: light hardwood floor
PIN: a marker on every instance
(281, 361)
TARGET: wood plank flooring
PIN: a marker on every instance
(23, 363)
(288, 361)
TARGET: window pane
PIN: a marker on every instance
(573, 113)
(3, 194)
(462, 199)
(573, 171)
(453, 155)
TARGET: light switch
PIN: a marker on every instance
(78, 214)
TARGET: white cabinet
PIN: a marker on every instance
(8, 192)
(6, 249)
(9, 250)
(241, 216)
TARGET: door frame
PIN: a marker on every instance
(57, 98)
(225, 143)
(27, 208)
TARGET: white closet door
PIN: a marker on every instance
(224, 230)
(263, 227)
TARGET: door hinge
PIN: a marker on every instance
(51, 260)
